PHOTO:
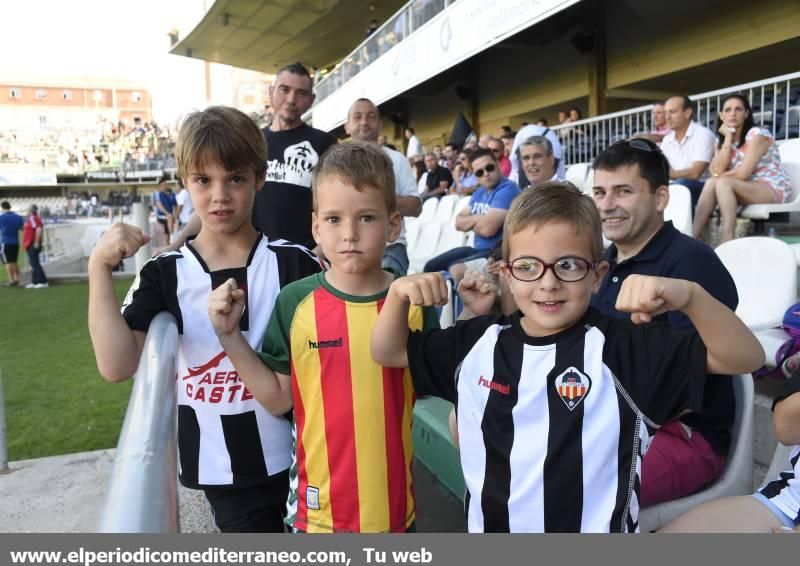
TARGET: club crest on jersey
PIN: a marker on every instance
(572, 386)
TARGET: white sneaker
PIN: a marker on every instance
(30, 286)
(41, 286)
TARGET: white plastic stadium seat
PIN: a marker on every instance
(578, 174)
(444, 211)
(790, 161)
(450, 238)
(765, 273)
(771, 340)
(425, 248)
(460, 205)
(736, 478)
(428, 210)
(679, 209)
(412, 232)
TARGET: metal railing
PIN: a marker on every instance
(143, 490)
(775, 103)
(399, 27)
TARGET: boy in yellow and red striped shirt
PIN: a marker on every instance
(352, 452)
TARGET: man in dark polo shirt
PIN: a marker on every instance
(631, 191)
(438, 180)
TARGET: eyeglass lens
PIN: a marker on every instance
(567, 269)
(488, 169)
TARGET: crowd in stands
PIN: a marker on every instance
(108, 146)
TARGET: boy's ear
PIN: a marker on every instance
(315, 227)
(598, 274)
(395, 222)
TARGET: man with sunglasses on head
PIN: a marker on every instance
(484, 215)
(631, 191)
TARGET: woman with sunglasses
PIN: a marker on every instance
(465, 180)
(746, 169)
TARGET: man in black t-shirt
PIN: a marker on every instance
(439, 179)
(282, 209)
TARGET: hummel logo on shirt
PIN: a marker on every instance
(500, 388)
(325, 344)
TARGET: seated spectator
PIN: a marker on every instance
(660, 126)
(439, 179)
(542, 122)
(498, 148)
(775, 506)
(485, 214)
(450, 156)
(440, 159)
(464, 179)
(631, 192)
(538, 161)
(539, 165)
(689, 147)
(746, 169)
(517, 174)
(563, 117)
(508, 143)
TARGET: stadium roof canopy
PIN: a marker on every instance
(264, 35)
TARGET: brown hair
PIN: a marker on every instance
(551, 202)
(360, 164)
(224, 135)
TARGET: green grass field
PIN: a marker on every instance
(56, 402)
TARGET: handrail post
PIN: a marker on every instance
(142, 495)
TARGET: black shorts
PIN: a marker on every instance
(258, 509)
(9, 253)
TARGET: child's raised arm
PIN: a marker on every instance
(117, 348)
(273, 390)
(731, 347)
(390, 334)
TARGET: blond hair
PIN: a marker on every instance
(223, 135)
(360, 164)
(554, 201)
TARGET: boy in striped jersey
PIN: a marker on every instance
(352, 418)
(230, 446)
(556, 404)
(776, 505)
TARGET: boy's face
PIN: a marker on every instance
(223, 199)
(352, 226)
(549, 304)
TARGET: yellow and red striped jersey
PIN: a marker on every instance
(352, 449)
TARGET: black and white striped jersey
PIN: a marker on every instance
(552, 429)
(784, 491)
(225, 437)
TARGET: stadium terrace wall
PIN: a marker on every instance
(652, 49)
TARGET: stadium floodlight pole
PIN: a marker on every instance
(3, 449)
